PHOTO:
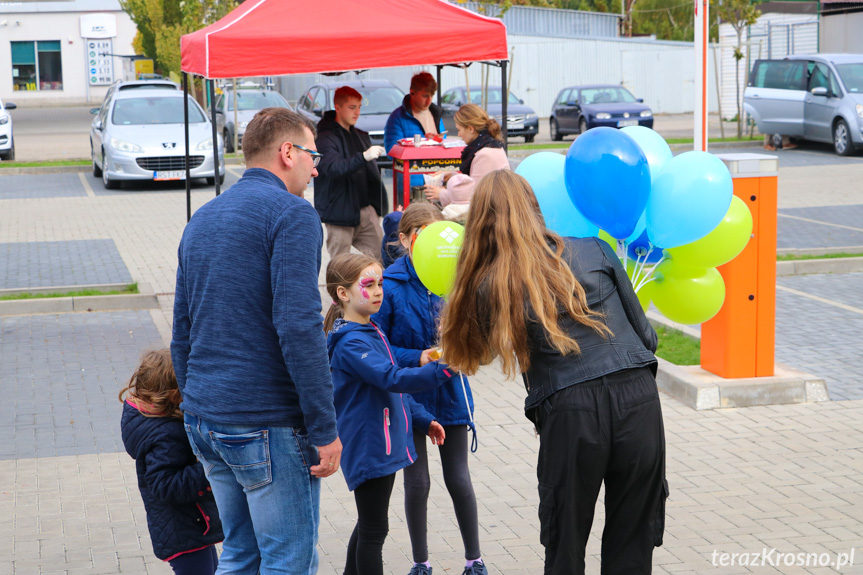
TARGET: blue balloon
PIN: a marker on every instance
(544, 172)
(689, 198)
(655, 148)
(608, 179)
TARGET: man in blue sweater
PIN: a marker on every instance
(249, 352)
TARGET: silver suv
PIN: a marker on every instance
(817, 97)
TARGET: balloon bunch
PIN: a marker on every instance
(672, 220)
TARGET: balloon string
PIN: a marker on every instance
(645, 281)
(637, 269)
(622, 244)
(640, 270)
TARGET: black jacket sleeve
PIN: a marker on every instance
(336, 161)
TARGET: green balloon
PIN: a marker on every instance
(435, 255)
(723, 244)
(687, 295)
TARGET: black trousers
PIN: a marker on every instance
(604, 430)
(366, 544)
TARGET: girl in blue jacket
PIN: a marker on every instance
(374, 411)
(181, 511)
(409, 318)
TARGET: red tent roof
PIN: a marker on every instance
(274, 37)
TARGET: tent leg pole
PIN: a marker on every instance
(212, 86)
(439, 89)
(504, 101)
(186, 133)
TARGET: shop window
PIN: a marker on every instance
(36, 66)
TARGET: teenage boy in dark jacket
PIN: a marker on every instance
(349, 194)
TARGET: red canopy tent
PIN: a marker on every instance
(276, 37)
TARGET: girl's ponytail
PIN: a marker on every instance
(335, 312)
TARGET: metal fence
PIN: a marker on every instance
(553, 23)
(774, 36)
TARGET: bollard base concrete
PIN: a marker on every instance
(700, 389)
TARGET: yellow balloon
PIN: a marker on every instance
(723, 244)
(687, 295)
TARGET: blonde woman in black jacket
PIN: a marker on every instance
(562, 313)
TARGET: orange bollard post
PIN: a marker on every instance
(740, 340)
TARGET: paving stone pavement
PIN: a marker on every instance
(61, 263)
(742, 480)
(41, 186)
(820, 227)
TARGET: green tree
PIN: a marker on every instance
(740, 14)
(161, 23)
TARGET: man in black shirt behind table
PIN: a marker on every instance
(348, 189)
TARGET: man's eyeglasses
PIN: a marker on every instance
(316, 157)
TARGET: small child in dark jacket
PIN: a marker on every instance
(409, 318)
(181, 511)
(375, 413)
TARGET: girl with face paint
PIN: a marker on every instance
(376, 415)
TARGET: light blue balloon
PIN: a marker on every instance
(544, 172)
(639, 228)
(655, 148)
(608, 179)
(689, 198)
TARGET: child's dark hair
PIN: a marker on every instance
(343, 270)
(417, 215)
(154, 384)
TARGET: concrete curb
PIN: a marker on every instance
(819, 251)
(65, 289)
(820, 266)
(79, 304)
(701, 390)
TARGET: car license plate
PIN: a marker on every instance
(171, 175)
(624, 123)
(515, 126)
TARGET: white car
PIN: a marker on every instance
(7, 142)
(138, 135)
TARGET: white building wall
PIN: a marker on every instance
(662, 73)
(65, 27)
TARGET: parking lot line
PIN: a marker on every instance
(87, 187)
(821, 222)
(821, 299)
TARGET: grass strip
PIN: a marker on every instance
(46, 164)
(129, 289)
(794, 257)
(677, 347)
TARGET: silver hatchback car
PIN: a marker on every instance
(817, 97)
(138, 135)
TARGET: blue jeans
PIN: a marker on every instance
(268, 500)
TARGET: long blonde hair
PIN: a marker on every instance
(509, 263)
(343, 270)
(471, 115)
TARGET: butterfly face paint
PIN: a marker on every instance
(370, 277)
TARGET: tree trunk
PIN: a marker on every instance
(737, 54)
